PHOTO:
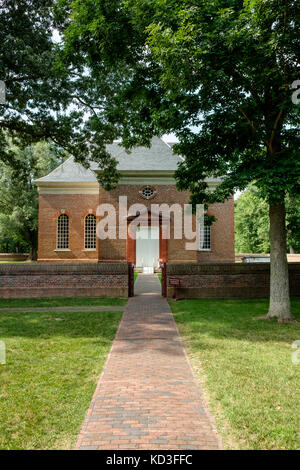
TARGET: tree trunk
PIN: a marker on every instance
(33, 253)
(33, 245)
(279, 276)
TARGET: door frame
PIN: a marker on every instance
(147, 252)
(131, 242)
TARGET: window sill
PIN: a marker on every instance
(205, 249)
(90, 249)
(62, 249)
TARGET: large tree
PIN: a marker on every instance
(46, 97)
(218, 73)
(18, 192)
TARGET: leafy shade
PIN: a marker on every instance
(252, 223)
(18, 193)
(46, 97)
(217, 73)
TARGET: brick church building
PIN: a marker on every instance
(70, 195)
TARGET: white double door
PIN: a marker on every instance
(147, 248)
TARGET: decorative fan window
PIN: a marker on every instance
(148, 192)
(62, 232)
(205, 238)
(90, 232)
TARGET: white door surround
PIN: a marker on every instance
(147, 248)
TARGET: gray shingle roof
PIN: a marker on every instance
(159, 157)
(69, 171)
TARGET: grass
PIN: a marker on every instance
(135, 276)
(245, 368)
(53, 361)
(159, 277)
(62, 302)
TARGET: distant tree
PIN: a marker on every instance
(251, 222)
(19, 196)
(293, 223)
(10, 243)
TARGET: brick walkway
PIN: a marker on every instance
(147, 396)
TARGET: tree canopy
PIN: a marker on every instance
(217, 73)
(19, 195)
(46, 96)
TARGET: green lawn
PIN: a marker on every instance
(246, 370)
(52, 366)
(62, 302)
(135, 276)
(159, 277)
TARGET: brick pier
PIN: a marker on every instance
(147, 396)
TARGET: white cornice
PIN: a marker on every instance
(68, 187)
(127, 177)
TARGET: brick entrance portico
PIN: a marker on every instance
(147, 396)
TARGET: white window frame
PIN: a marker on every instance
(63, 233)
(207, 237)
(88, 239)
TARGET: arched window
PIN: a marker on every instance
(62, 232)
(90, 232)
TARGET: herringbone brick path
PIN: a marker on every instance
(147, 396)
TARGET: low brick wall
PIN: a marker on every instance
(292, 258)
(226, 281)
(13, 256)
(64, 280)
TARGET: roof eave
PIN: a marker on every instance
(53, 184)
(139, 173)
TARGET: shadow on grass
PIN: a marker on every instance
(61, 302)
(235, 319)
(45, 325)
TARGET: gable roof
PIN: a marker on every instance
(69, 171)
(159, 157)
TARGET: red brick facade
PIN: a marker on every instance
(77, 206)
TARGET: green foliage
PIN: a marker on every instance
(293, 223)
(251, 220)
(217, 74)
(18, 192)
(46, 96)
(252, 223)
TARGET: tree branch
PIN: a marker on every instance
(278, 118)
